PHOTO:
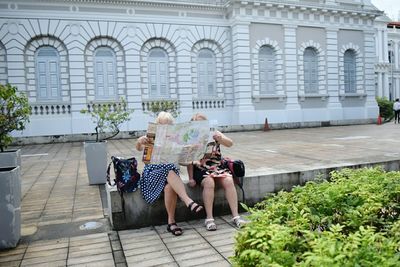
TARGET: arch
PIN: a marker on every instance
(358, 85)
(42, 46)
(3, 65)
(117, 62)
(261, 47)
(314, 83)
(170, 53)
(202, 48)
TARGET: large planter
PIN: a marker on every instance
(96, 161)
(10, 207)
(10, 158)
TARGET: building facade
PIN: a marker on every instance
(239, 62)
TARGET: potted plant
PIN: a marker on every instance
(14, 114)
(107, 118)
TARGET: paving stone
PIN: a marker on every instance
(119, 256)
(190, 248)
(116, 245)
(10, 264)
(195, 254)
(102, 263)
(41, 260)
(144, 250)
(11, 257)
(152, 262)
(88, 241)
(201, 261)
(121, 265)
(20, 249)
(89, 247)
(46, 253)
(148, 256)
(89, 259)
(61, 263)
(88, 252)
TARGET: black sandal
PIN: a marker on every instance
(176, 231)
(196, 209)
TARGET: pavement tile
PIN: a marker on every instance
(90, 259)
(152, 262)
(20, 249)
(195, 254)
(46, 253)
(119, 256)
(10, 264)
(42, 260)
(144, 249)
(102, 263)
(188, 249)
(201, 260)
(89, 252)
(88, 241)
(61, 263)
(134, 244)
(159, 253)
(15, 257)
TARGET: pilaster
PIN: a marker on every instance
(332, 55)
(371, 107)
(243, 107)
(291, 81)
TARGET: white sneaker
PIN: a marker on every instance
(239, 221)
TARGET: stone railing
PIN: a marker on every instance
(146, 104)
(112, 106)
(208, 104)
(50, 109)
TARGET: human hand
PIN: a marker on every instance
(192, 183)
(143, 140)
(217, 136)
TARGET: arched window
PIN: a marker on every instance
(105, 76)
(310, 71)
(349, 71)
(206, 73)
(267, 70)
(47, 73)
(158, 72)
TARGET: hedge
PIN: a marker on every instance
(352, 220)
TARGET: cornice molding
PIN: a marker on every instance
(194, 4)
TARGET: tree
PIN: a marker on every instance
(14, 113)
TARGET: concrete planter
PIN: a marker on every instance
(10, 158)
(10, 207)
(96, 161)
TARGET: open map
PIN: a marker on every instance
(181, 142)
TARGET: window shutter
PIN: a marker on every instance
(349, 72)
(310, 70)
(266, 61)
(105, 73)
(47, 73)
(206, 71)
(158, 72)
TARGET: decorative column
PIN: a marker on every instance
(379, 41)
(385, 46)
(293, 109)
(243, 110)
(332, 55)
(184, 73)
(396, 55)
(371, 107)
(385, 85)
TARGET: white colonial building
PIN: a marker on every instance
(294, 62)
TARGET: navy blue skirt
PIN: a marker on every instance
(154, 179)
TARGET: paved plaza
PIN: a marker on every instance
(64, 220)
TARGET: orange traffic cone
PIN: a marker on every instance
(379, 121)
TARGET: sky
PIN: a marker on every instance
(391, 8)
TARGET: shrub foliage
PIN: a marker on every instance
(385, 108)
(351, 221)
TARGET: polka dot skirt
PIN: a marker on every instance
(154, 179)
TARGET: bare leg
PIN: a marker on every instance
(177, 185)
(230, 194)
(208, 195)
(170, 199)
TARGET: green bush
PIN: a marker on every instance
(385, 108)
(14, 113)
(351, 221)
(170, 106)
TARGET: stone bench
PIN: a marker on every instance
(140, 214)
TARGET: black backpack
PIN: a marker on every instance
(126, 176)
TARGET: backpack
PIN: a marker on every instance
(126, 176)
(237, 168)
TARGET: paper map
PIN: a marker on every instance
(181, 142)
